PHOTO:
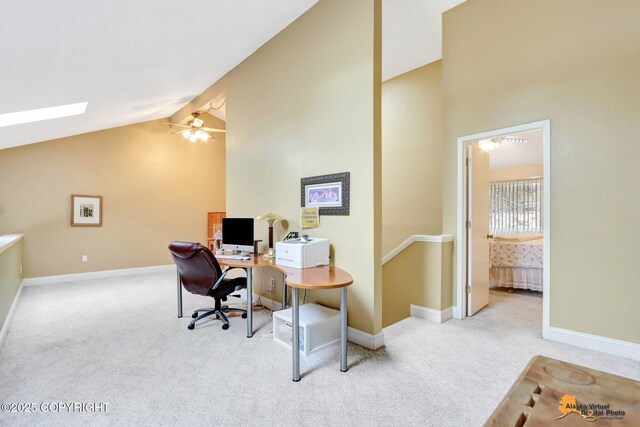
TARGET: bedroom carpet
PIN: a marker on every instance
(118, 341)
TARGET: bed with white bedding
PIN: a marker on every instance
(516, 262)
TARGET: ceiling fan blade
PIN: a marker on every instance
(177, 132)
(180, 126)
(213, 130)
(174, 124)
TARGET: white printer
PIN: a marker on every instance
(302, 253)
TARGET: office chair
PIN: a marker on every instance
(201, 274)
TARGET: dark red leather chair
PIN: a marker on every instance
(201, 274)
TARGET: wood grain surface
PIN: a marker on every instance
(323, 277)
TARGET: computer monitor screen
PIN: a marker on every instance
(237, 234)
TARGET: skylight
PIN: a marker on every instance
(20, 117)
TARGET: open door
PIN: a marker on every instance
(478, 170)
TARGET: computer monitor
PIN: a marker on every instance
(237, 234)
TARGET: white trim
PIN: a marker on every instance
(12, 310)
(546, 235)
(9, 240)
(446, 314)
(64, 278)
(364, 339)
(459, 310)
(437, 316)
(267, 302)
(594, 342)
(417, 238)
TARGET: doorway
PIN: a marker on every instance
(470, 237)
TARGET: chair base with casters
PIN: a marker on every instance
(219, 310)
(199, 273)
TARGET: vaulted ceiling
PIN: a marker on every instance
(141, 60)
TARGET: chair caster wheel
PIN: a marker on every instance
(244, 315)
(225, 327)
(194, 315)
(190, 327)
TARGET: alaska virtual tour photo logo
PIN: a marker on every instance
(589, 411)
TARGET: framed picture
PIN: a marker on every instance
(86, 211)
(329, 193)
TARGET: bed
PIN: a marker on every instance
(516, 262)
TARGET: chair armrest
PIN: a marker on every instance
(220, 279)
(224, 273)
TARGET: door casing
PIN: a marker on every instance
(460, 307)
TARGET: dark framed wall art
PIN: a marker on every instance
(329, 193)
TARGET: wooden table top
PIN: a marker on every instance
(557, 393)
(323, 277)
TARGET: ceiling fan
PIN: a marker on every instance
(492, 144)
(194, 130)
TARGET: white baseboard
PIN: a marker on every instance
(437, 316)
(64, 278)
(7, 321)
(594, 342)
(267, 302)
(364, 339)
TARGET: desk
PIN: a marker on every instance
(324, 277)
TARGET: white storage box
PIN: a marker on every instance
(298, 253)
(319, 327)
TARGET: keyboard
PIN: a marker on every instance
(233, 257)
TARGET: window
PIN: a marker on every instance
(516, 206)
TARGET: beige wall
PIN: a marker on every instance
(10, 278)
(157, 187)
(308, 103)
(419, 275)
(517, 172)
(576, 63)
(411, 155)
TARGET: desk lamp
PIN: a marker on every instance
(270, 218)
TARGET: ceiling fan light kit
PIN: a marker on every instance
(195, 136)
(194, 130)
(492, 144)
(489, 145)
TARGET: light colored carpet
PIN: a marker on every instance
(118, 341)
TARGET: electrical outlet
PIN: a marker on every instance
(85, 258)
(270, 290)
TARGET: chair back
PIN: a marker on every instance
(198, 268)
